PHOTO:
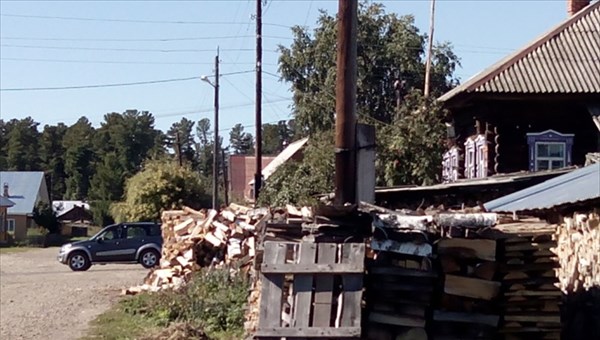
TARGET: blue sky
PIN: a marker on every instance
(114, 51)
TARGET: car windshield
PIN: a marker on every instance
(100, 233)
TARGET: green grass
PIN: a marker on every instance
(214, 302)
(118, 324)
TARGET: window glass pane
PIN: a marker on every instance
(135, 232)
(558, 164)
(542, 150)
(543, 165)
(556, 150)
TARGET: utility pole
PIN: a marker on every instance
(345, 104)
(429, 50)
(215, 197)
(258, 113)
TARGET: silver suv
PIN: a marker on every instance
(138, 242)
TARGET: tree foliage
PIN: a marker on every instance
(240, 142)
(79, 158)
(52, 157)
(410, 149)
(390, 49)
(391, 67)
(296, 182)
(160, 185)
(44, 216)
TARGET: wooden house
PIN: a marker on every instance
(537, 109)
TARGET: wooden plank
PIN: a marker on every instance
(326, 254)
(301, 268)
(470, 287)
(271, 293)
(408, 248)
(534, 293)
(533, 318)
(303, 286)
(352, 285)
(468, 248)
(397, 320)
(490, 320)
(309, 332)
(401, 272)
(529, 246)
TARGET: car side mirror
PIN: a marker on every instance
(100, 240)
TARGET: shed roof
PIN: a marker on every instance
(23, 189)
(565, 60)
(579, 185)
(5, 202)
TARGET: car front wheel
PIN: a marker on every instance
(149, 258)
(78, 261)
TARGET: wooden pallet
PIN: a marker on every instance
(311, 290)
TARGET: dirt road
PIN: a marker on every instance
(43, 299)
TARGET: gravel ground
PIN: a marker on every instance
(43, 299)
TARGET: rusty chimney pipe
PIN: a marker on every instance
(574, 6)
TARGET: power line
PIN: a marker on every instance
(141, 39)
(113, 85)
(137, 21)
(133, 62)
(127, 49)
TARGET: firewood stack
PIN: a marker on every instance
(531, 301)
(578, 251)
(194, 239)
(401, 280)
(468, 304)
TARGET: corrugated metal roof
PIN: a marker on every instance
(23, 189)
(566, 60)
(5, 202)
(579, 185)
(62, 207)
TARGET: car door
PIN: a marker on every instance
(110, 247)
(135, 236)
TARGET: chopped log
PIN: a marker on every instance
(412, 334)
(485, 270)
(472, 318)
(468, 248)
(398, 320)
(469, 287)
(476, 220)
(398, 221)
(212, 239)
(188, 210)
(182, 228)
(408, 248)
(449, 264)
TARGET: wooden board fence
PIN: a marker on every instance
(311, 290)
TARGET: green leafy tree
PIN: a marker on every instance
(241, 143)
(299, 182)
(22, 145)
(52, 157)
(390, 48)
(390, 51)
(44, 216)
(271, 141)
(160, 185)
(79, 158)
(410, 149)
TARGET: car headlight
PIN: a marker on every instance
(65, 247)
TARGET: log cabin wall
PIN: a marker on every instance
(513, 119)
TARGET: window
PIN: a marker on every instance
(549, 150)
(10, 226)
(482, 156)
(470, 158)
(549, 155)
(450, 165)
(135, 231)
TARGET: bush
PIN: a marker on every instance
(213, 301)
